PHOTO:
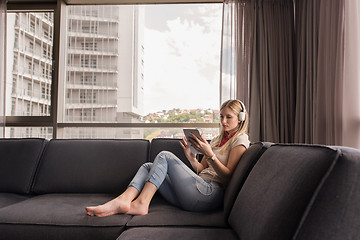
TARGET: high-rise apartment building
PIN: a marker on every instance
(29, 57)
(104, 69)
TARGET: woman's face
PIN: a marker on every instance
(229, 120)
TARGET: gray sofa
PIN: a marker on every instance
(277, 191)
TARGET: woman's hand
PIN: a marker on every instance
(190, 156)
(201, 145)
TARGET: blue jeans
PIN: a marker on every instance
(178, 184)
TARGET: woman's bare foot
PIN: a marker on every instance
(115, 206)
(138, 207)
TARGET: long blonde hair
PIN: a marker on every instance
(242, 127)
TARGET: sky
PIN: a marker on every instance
(182, 56)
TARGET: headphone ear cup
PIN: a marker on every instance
(242, 116)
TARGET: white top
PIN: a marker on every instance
(209, 173)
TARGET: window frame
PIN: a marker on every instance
(59, 9)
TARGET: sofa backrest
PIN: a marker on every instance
(89, 166)
(241, 172)
(278, 190)
(168, 144)
(19, 159)
(335, 212)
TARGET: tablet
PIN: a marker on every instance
(188, 132)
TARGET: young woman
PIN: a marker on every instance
(178, 184)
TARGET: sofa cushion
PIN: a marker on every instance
(168, 144)
(162, 213)
(18, 162)
(89, 166)
(335, 212)
(279, 188)
(7, 199)
(177, 233)
(59, 216)
(51, 232)
(241, 172)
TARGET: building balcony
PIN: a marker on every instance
(31, 96)
(95, 69)
(36, 54)
(46, 18)
(97, 86)
(97, 52)
(33, 75)
(77, 104)
(96, 17)
(96, 35)
(38, 34)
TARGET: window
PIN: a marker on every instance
(89, 27)
(87, 96)
(93, 62)
(89, 61)
(29, 89)
(14, 84)
(31, 46)
(89, 46)
(46, 34)
(28, 109)
(32, 25)
(139, 75)
(91, 11)
(88, 79)
(87, 115)
(45, 92)
(47, 16)
(82, 97)
(13, 106)
(30, 67)
(44, 53)
(122, 65)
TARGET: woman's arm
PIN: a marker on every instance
(225, 172)
(198, 166)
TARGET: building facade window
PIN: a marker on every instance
(92, 46)
(31, 45)
(32, 25)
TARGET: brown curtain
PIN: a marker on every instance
(257, 65)
(2, 66)
(319, 67)
(272, 90)
(301, 86)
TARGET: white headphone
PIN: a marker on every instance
(242, 114)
